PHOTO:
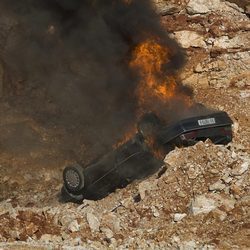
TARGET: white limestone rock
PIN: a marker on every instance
(241, 169)
(147, 186)
(74, 226)
(188, 38)
(202, 6)
(108, 233)
(178, 216)
(217, 186)
(93, 221)
(202, 204)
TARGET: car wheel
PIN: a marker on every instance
(74, 178)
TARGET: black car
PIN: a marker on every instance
(135, 159)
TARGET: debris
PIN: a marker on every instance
(5, 207)
(66, 220)
(235, 190)
(239, 170)
(227, 179)
(109, 234)
(111, 221)
(188, 245)
(31, 229)
(226, 204)
(74, 226)
(48, 238)
(221, 214)
(245, 94)
(94, 223)
(147, 186)
(155, 211)
(179, 217)
(181, 194)
(217, 186)
(193, 171)
(202, 204)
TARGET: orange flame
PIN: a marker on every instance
(149, 59)
(157, 151)
(155, 88)
(128, 135)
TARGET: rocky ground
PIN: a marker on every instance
(199, 200)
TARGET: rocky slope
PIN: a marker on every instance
(199, 200)
(216, 37)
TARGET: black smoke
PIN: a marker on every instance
(73, 55)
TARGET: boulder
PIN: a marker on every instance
(241, 169)
(188, 39)
(93, 221)
(202, 6)
(240, 40)
(202, 204)
(165, 8)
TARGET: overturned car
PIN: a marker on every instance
(135, 159)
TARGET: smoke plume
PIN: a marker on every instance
(74, 55)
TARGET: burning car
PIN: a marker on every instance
(116, 169)
(135, 159)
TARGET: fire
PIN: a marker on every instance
(128, 135)
(157, 151)
(149, 59)
(156, 89)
